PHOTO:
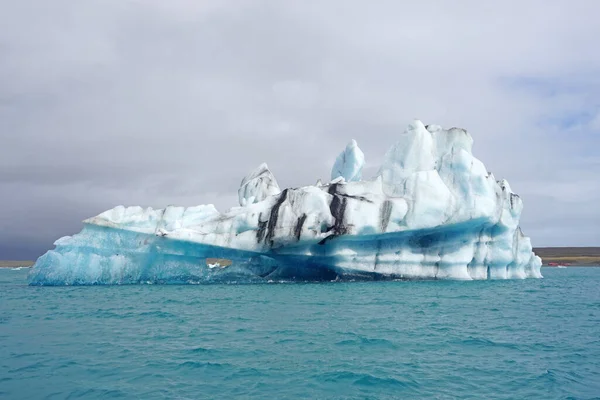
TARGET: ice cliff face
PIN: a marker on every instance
(432, 212)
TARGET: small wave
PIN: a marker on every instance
(367, 342)
(145, 377)
(247, 373)
(97, 393)
(368, 380)
(289, 340)
(22, 355)
(159, 314)
(200, 350)
(201, 365)
(473, 341)
(31, 367)
(548, 376)
(203, 350)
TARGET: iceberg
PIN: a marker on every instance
(432, 211)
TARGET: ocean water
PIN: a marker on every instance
(537, 339)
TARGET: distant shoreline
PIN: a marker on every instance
(15, 264)
(576, 256)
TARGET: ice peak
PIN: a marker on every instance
(349, 163)
(416, 124)
(258, 185)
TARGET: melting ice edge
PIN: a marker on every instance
(433, 211)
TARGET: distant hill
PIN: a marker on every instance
(569, 255)
(15, 264)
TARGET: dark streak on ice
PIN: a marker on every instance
(385, 213)
(298, 228)
(273, 217)
(262, 226)
(337, 207)
(333, 190)
(512, 200)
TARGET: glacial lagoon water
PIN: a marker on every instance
(373, 340)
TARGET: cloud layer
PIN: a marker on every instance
(108, 102)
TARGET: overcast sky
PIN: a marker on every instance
(154, 102)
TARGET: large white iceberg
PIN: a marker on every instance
(432, 212)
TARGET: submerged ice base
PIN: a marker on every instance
(432, 212)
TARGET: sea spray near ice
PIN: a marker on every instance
(432, 212)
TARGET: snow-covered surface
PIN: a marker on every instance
(432, 212)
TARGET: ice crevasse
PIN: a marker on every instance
(432, 211)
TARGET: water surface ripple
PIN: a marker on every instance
(379, 340)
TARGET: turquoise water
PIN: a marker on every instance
(488, 339)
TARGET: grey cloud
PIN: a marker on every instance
(125, 102)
